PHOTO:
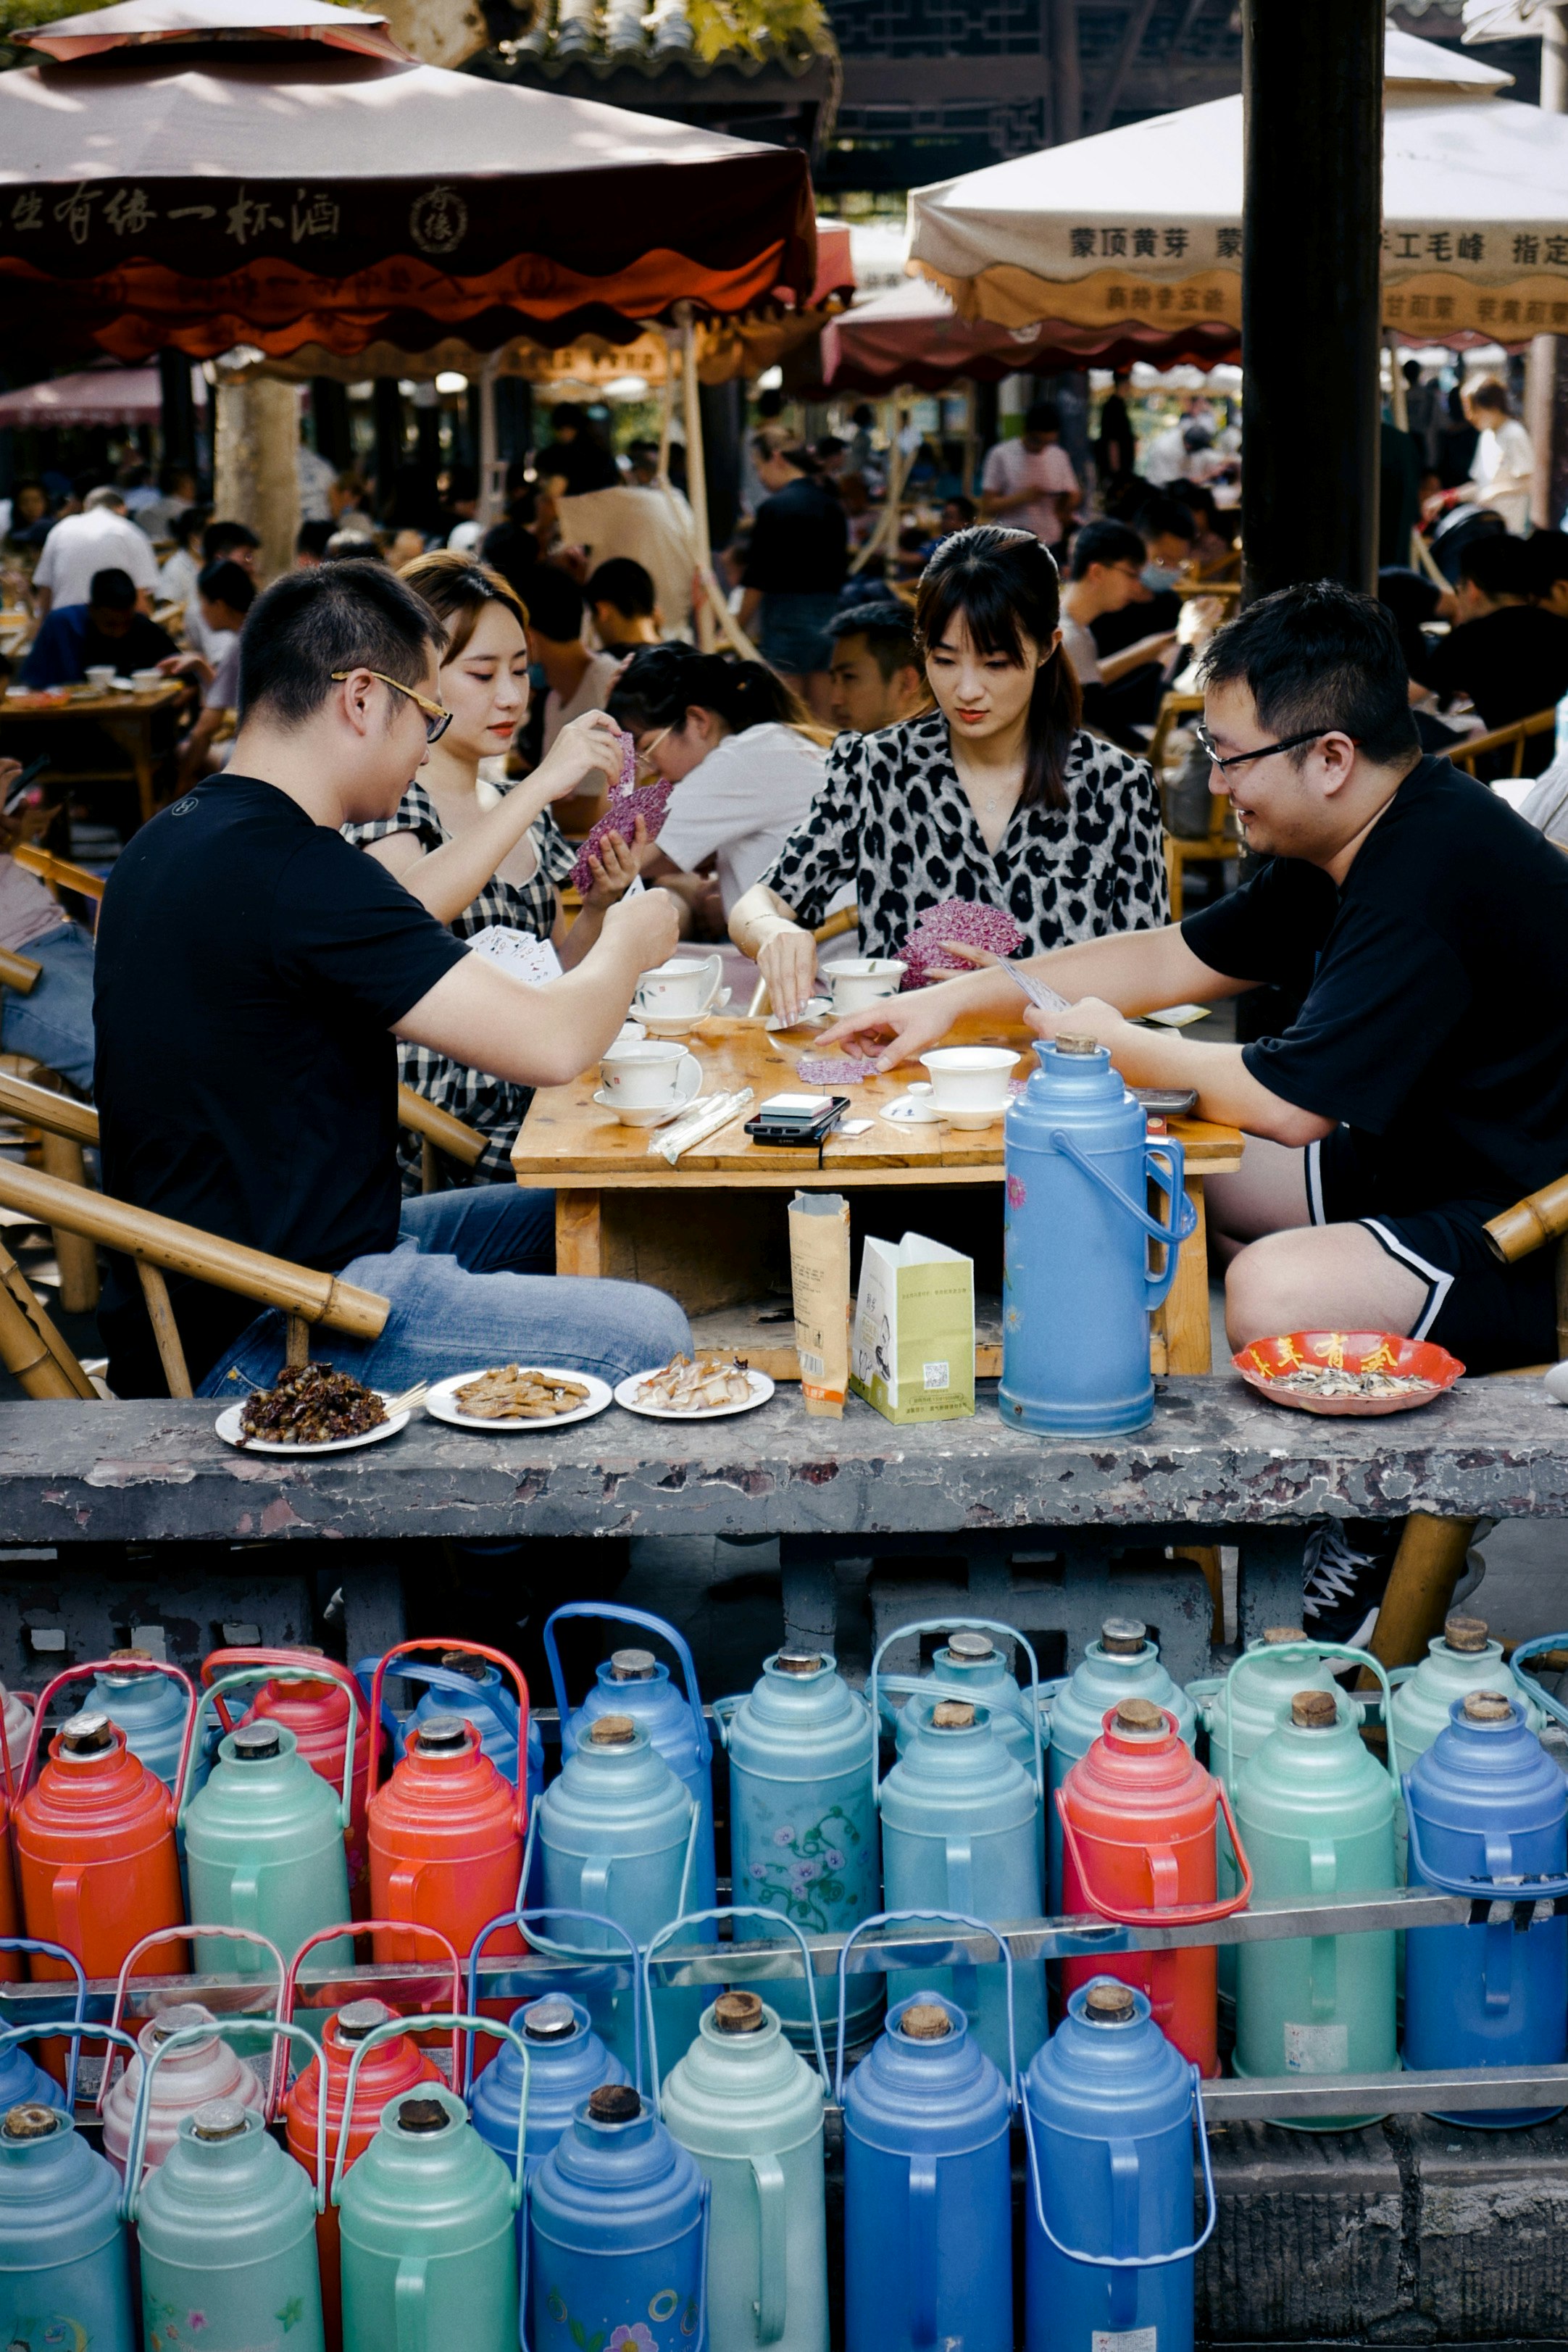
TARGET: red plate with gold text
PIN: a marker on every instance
(1361, 1374)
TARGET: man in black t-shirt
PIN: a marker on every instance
(1509, 656)
(1424, 1084)
(254, 972)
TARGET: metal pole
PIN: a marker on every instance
(1312, 213)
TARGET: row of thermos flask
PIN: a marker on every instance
(564, 2208)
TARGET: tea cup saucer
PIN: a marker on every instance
(640, 1114)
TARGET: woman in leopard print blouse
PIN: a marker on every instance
(999, 795)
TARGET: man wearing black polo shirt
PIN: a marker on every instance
(254, 971)
(1422, 930)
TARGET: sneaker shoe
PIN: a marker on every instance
(1341, 1587)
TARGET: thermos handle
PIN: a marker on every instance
(444, 1678)
(922, 2252)
(524, 1920)
(773, 2280)
(473, 1650)
(594, 1881)
(1123, 2220)
(180, 1935)
(698, 1920)
(370, 1928)
(917, 1686)
(409, 2303)
(957, 1625)
(724, 1708)
(188, 2038)
(56, 1952)
(1317, 1650)
(1183, 1221)
(455, 2022)
(217, 1691)
(1175, 1915)
(1480, 1890)
(898, 1919)
(606, 1612)
(319, 1669)
(81, 1673)
(1536, 1693)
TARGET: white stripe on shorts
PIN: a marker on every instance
(1439, 1283)
(1315, 1183)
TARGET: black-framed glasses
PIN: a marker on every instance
(1210, 749)
(437, 718)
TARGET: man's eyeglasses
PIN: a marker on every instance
(1210, 749)
(437, 718)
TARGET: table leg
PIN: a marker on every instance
(1428, 1564)
(579, 1240)
(1186, 1313)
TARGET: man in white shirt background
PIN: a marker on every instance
(1029, 484)
(102, 538)
(652, 526)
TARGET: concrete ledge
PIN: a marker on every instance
(1214, 1455)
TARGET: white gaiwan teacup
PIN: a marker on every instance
(681, 989)
(860, 981)
(969, 1083)
(644, 1079)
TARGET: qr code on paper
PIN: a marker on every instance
(935, 1376)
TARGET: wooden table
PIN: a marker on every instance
(127, 718)
(695, 1229)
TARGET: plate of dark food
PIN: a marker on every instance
(1356, 1373)
(310, 1409)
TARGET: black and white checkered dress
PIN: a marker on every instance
(494, 1106)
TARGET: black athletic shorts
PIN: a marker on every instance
(1493, 1317)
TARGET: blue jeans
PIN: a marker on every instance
(470, 1286)
(53, 1024)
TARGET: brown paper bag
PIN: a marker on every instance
(819, 1270)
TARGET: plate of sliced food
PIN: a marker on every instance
(311, 1408)
(517, 1396)
(705, 1388)
(1356, 1373)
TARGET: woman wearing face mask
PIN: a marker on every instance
(999, 795)
(745, 756)
(476, 859)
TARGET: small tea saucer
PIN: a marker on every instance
(680, 1025)
(642, 1114)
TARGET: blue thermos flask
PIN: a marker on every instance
(1077, 1292)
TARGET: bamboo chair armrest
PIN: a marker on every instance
(41, 1107)
(175, 1248)
(1497, 737)
(1541, 1217)
(438, 1126)
(18, 971)
(59, 870)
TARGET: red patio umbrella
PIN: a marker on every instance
(209, 173)
(913, 336)
(102, 395)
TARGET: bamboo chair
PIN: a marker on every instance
(1172, 707)
(59, 873)
(439, 1132)
(1219, 842)
(58, 1150)
(1517, 733)
(833, 928)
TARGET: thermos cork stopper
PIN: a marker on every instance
(972, 1647)
(127, 1657)
(952, 1715)
(613, 1731)
(739, 2012)
(443, 1735)
(219, 2119)
(549, 2019)
(1108, 2001)
(1139, 1715)
(180, 2018)
(1466, 1635)
(632, 1665)
(361, 2019)
(1274, 1636)
(1123, 1637)
(30, 2123)
(1077, 1045)
(463, 1663)
(87, 1735)
(924, 2021)
(255, 1743)
(799, 1662)
(614, 2103)
(1488, 1706)
(1315, 1711)
(423, 2116)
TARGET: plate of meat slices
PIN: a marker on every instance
(1356, 1373)
(517, 1396)
(706, 1389)
(311, 1408)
